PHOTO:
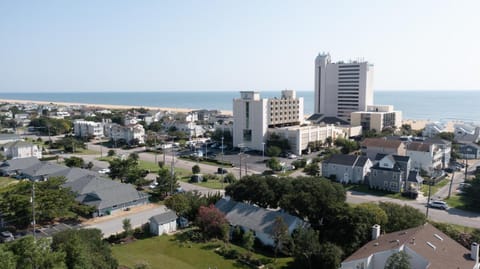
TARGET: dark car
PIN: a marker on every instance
(221, 171)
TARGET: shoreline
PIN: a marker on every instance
(106, 106)
(417, 124)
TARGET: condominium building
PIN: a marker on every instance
(83, 128)
(131, 134)
(254, 115)
(342, 87)
(377, 117)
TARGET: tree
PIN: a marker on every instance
(211, 222)
(329, 141)
(7, 259)
(280, 234)
(195, 169)
(111, 153)
(89, 165)
(401, 217)
(166, 182)
(229, 178)
(399, 260)
(312, 169)
(274, 164)
(127, 227)
(84, 248)
(305, 246)
(71, 144)
(35, 255)
(179, 203)
(74, 161)
(248, 239)
(273, 151)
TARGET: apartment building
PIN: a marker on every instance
(128, 133)
(83, 128)
(342, 87)
(377, 118)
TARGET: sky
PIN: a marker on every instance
(116, 45)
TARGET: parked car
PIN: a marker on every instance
(221, 170)
(153, 185)
(104, 171)
(448, 170)
(464, 185)
(439, 204)
(6, 236)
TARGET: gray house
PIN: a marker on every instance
(15, 166)
(42, 171)
(389, 173)
(346, 168)
(469, 151)
(256, 219)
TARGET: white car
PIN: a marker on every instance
(104, 171)
(153, 185)
(438, 204)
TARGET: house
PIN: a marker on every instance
(426, 246)
(256, 219)
(83, 128)
(106, 195)
(21, 149)
(469, 151)
(128, 133)
(425, 156)
(466, 133)
(163, 223)
(42, 171)
(414, 181)
(346, 168)
(432, 129)
(370, 147)
(389, 172)
(15, 166)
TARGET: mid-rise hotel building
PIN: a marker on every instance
(342, 87)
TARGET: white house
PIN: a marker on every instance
(425, 156)
(21, 149)
(127, 133)
(432, 129)
(83, 128)
(346, 168)
(163, 223)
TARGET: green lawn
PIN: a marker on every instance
(212, 184)
(366, 189)
(167, 252)
(456, 201)
(436, 187)
(5, 181)
(87, 152)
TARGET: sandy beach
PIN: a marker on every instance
(106, 106)
(420, 124)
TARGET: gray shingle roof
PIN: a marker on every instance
(350, 160)
(396, 158)
(43, 169)
(19, 164)
(164, 217)
(414, 176)
(73, 173)
(18, 143)
(252, 217)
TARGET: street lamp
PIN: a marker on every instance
(263, 151)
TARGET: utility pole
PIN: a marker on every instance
(33, 212)
(240, 156)
(451, 183)
(155, 147)
(223, 174)
(172, 169)
(428, 200)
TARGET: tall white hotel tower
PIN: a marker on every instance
(342, 88)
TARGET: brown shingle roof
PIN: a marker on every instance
(381, 143)
(447, 254)
(418, 146)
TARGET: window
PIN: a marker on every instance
(247, 135)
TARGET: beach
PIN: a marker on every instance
(106, 106)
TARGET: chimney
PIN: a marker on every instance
(474, 252)
(376, 232)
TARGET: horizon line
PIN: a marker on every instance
(216, 90)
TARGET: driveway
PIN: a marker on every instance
(113, 224)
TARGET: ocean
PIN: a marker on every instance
(426, 105)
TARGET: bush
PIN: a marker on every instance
(228, 253)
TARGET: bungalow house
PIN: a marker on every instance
(426, 246)
(256, 219)
(42, 171)
(469, 151)
(370, 147)
(389, 172)
(106, 195)
(15, 166)
(346, 168)
(162, 223)
(21, 149)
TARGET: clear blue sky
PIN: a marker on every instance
(233, 45)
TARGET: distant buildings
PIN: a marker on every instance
(377, 118)
(342, 88)
(432, 129)
(253, 116)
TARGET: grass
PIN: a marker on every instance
(436, 187)
(87, 152)
(5, 181)
(212, 184)
(168, 252)
(366, 189)
(457, 201)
